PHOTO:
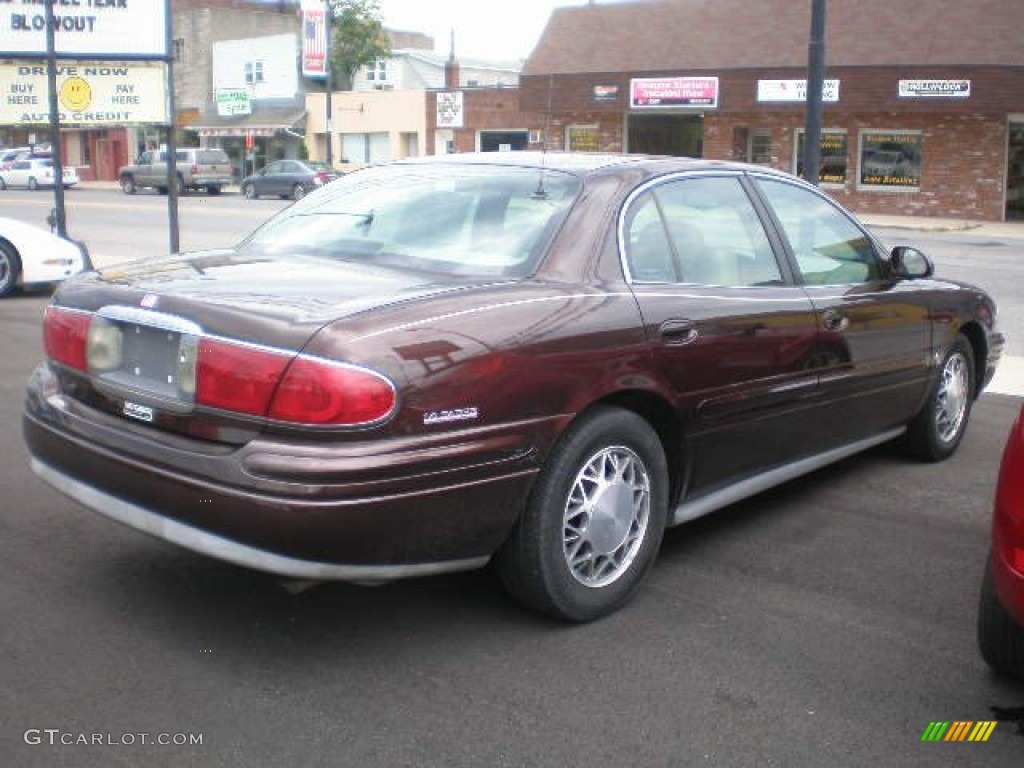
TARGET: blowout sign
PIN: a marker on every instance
(102, 28)
(88, 93)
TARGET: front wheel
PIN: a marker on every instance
(249, 190)
(298, 192)
(937, 430)
(594, 520)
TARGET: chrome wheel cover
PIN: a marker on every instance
(952, 397)
(606, 516)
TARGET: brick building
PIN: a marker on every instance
(924, 99)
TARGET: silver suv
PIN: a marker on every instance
(198, 168)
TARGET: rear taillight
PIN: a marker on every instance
(237, 378)
(195, 169)
(323, 392)
(64, 336)
(1009, 504)
(322, 178)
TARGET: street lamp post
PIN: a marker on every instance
(328, 80)
(815, 83)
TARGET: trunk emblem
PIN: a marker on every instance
(136, 411)
(148, 301)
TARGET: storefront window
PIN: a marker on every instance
(582, 138)
(832, 169)
(890, 159)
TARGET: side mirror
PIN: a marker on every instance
(910, 262)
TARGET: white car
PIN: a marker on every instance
(32, 256)
(33, 173)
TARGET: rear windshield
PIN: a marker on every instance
(455, 219)
(211, 157)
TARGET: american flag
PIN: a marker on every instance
(314, 43)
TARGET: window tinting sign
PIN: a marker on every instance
(794, 91)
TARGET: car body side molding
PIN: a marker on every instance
(710, 502)
(221, 548)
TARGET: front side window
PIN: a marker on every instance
(377, 71)
(890, 160)
(457, 220)
(702, 231)
(829, 248)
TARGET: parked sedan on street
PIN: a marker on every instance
(536, 359)
(35, 173)
(288, 178)
(1001, 611)
(32, 256)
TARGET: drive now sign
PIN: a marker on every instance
(103, 28)
(233, 101)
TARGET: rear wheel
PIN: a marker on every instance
(594, 519)
(213, 189)
(128, 185)
(3, 184)
(937, 430)
(298, 192)
(1000, 639)
(10, 269)
(249, 190)
(33, 185)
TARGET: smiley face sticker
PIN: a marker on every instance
(75, 94)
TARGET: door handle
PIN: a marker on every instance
(678, 332)
(834, 321)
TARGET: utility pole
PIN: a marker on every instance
(328, 85)
(172, 141)
(60, 218)
(815, 84)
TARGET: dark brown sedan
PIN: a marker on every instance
(540, 360)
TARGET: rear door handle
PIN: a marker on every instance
(678, 332)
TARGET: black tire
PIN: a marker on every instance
(213, 189)
(179, 185)
(3, 184)
(936, 432)
(298, 192)
(563, 560)
(249, 190)
(128, 185)
(161, 190)
(33, 185)
(1000, 638)
(10, 269)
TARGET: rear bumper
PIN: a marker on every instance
(354, 511)
(1008, 582)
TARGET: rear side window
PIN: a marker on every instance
(701, 231)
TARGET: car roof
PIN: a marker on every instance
(586, 163)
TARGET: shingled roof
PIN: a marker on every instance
(737, 34)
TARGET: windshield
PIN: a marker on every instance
(456, 219)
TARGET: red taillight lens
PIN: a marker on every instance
(322, 177)
(237, 378)
(195, 169)
(64, 336)
(321, 392)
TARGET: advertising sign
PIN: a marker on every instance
(604, 93)
(104, 28)
(674, 92)
(88, 93)
(314, 39)
(775, 91)
(233, 101)
(449, 109)
(942, 89)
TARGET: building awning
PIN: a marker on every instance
(264, 121)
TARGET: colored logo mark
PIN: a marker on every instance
(959, 730)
